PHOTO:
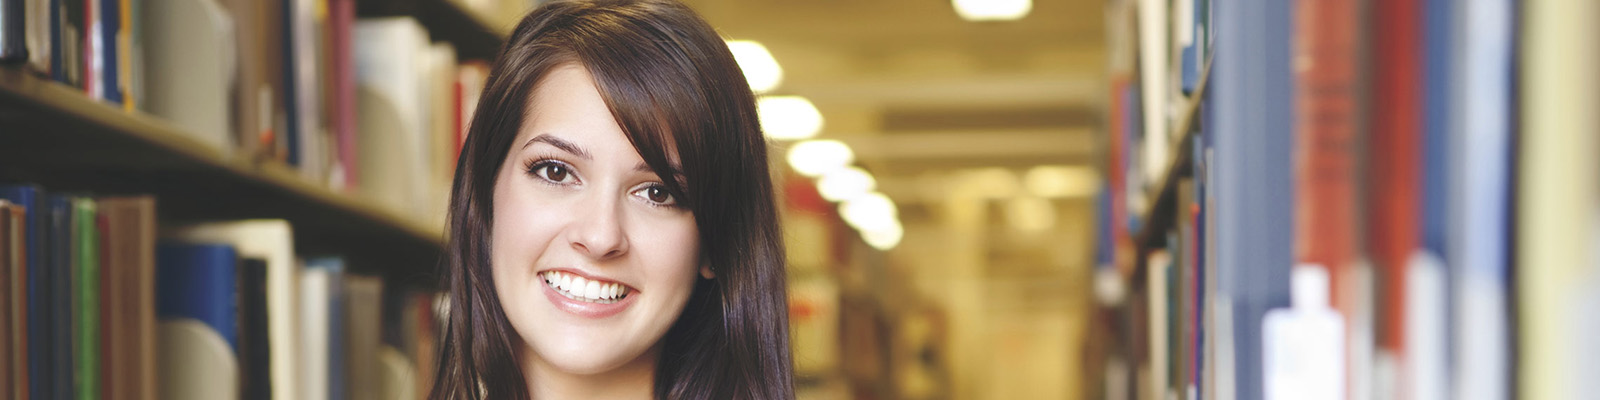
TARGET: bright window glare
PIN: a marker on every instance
(760, 69)
(788, 117)
(992, 10)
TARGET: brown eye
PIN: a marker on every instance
(552, 171)
(657, 194)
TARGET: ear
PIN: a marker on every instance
(705, 272)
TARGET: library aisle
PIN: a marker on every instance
(980, 199)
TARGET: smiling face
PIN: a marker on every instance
(593, 260)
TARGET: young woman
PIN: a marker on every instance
(612, 225)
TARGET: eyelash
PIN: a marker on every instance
(532, 166)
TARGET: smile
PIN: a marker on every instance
(583, 289)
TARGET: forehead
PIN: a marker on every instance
(567, 104)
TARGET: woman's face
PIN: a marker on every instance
(592, 259)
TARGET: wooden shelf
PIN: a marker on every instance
(53, 135)
(474, 38)
(1157, 216)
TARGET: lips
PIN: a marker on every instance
(586, 296)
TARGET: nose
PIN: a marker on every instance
(597, 230)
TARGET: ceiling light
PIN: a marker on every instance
(846, 183)
(760, 69)
(816, 157)
(992, 10)
(869, 212)
(788, 117)
(886, 238)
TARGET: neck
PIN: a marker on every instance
(634, 380)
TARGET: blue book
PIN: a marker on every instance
(59, 264)
(1480, 246)
(1252, 112)
(291, 86)
(39, 311)
(198, 281)
(110, 25)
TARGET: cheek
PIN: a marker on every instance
(671, 255)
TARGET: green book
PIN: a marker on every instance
(86, 289)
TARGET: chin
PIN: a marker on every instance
(586, 354)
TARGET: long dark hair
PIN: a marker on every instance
(671, 83)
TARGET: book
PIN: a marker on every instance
(321, 324)
(13, 31)
(39, 322)
(363, 337)
(190, 64)
(37, 24)
(393, 140)
(59, 264)
(1250, 112)
(273, 241)
(1153, 71)
(198, 333)
(85, 299)
(255, 381)
(1482, 187)
(13, 309)
(341, 81)
(1557, 192)
(128, 302)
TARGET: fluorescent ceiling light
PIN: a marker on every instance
(814, 158)
(788, 117)
(846, 183)
(760, 69)
(992, 10)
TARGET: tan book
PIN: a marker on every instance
(128, 297)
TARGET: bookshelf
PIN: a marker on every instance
(1157, 216)
(473, 36)
(56, 136)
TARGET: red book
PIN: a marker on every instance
(1394, 162)
(342, 111)
(1327, 153)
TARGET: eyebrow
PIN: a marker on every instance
(559, 143)
(676, 170)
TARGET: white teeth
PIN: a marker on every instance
(582, 289)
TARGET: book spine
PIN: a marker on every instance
(86, 301)
(62, 269)
(38, 288)
(13, 31)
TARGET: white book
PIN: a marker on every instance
(271, 240)
(393, 141)
(1153, 69)
(315, 300)
(189, 67)
(196, 362)
(1157, 267)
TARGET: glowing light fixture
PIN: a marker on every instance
(788, 117)
(992, 10)
(870, 212)
(884, 239)
(846, 183)
(816, 157)
(1057, 181)
(760, 69)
